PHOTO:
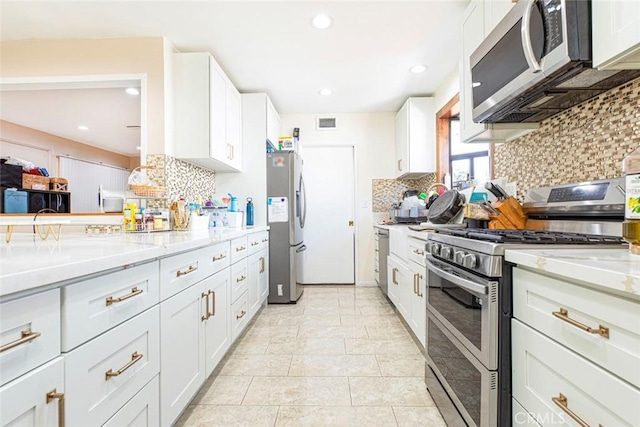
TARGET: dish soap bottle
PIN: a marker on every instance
(631, 225)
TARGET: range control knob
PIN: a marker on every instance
(446, 253)
(470, 260)
(435, 249)
(459, 257)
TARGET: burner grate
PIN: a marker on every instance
(530, 236)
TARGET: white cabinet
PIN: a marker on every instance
(480, 18)
(143, 410)
(29, 333)
(217, 325)
(35, 399)
(103, 374)
(182, 350)
(417, 310)
(415, 138)
(207, 113)
(258, 280)
(260, 121)
(399, 279)
(616, 34)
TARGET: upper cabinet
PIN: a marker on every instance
(273, 123)
(416, 138)
(480, 19)
(207, 114)
(616, 34)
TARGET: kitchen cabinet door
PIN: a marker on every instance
(402, 136)
(616, 34)
(182, 350)
(263, 280)
(218, 144)
(234, 126)
(399, 285)
(273, 123)
(217, 324)
(34, 398)
(254, 267)
(418, 306)
(415, 138)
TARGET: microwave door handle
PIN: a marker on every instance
(525, 30)
(468, 285)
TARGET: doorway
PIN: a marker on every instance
(329, 232)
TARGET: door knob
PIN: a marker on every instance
(350, 223)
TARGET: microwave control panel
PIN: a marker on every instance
(552, 16)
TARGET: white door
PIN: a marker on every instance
(329, 232)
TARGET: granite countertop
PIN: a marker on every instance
(611, 270)
(28, 262)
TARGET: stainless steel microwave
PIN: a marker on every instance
(537, 62)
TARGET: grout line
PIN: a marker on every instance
(350, 394)
(395, 417)
(275, 421)
(246, 391)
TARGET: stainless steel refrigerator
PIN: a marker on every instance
(286, 212)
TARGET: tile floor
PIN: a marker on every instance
(340, 357)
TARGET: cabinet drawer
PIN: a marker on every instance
(239, 316)
(103, 374)
(23, 402)
(141, 411)
(29, 333)
(178, 272)
(543, 370)
(257, 241)
(238, 249)
(216, 258)
(520, 417)
(537, 297)
(96, 305)
(239, 282)
(416, 251)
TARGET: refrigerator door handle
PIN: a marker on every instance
(303, 191)
(301, 248)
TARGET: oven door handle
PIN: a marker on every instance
(475, 288)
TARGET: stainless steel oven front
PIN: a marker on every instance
(468, 307)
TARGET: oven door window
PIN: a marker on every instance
(459, 373)
(460, 308)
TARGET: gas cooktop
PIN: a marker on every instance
(531, 236)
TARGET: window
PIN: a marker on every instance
(469, 163)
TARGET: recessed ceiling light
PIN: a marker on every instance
(418, 69)
(132, 91)
(138, 148)
(82, 127)
(322, 21)
(325, 92)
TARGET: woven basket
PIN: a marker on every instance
(40, 182)
(59, 184)
(149, 190)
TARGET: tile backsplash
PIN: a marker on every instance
(586, 142)
(386, 190)
(182, 179)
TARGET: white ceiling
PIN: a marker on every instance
(364, 58)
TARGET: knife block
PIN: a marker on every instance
(511, 215)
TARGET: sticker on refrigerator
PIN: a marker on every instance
(278, 161)
(278, 209)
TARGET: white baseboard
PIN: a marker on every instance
(369, 283)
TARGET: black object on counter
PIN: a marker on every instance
(446, 207)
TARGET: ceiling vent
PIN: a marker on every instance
(326, 123)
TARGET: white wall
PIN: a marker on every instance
(447, 90)
(372, 135)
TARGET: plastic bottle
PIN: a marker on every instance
(631, 225)
(233, 207)
(249, 211)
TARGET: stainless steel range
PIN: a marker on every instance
(469, 298)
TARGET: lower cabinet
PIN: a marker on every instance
(218, 323)
(258, 280)
(239, 316)
(417, 318)
(143, 410)
(102, 375)
(36, 398)
(399, 279)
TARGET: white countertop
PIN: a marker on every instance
(28, 262)
(608, 269)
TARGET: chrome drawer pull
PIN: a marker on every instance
(261, 265)
(393, 276)
(240, 279)
(219, 257)
(134, 291)
(418, 286)
(191, 269)
(26, 336)
(240, 249)
(419, 252)
(562, 402)
(214, 302)
(563, 314)
(265, 240)
(415, 283)
(134, 358)
(207, 315)
(53, 395)
(242, 313)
